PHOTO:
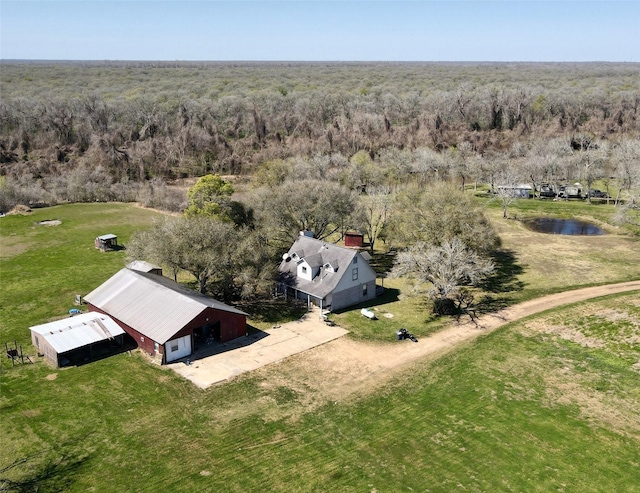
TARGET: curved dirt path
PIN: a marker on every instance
(344, 367)
(456, 334)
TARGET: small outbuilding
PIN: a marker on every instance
(353, 239)
(106, 242)
(78, 339)
(163, 317)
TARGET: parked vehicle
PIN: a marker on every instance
(570, 191)
(598, 194)
(545, 190)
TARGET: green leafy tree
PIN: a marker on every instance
(439, 214)
(226, 261)
(322, 207)
(210, 196)
(272, 173)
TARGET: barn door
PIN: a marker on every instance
(178, 348)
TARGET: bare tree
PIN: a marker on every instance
(509, 188)
(427, 164)
(626, 155)
(372, 212)
(590, 157)
(448, 267)
(461, 158)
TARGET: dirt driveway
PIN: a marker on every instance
(338, 366)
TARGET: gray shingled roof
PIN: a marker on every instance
(316, 252)
(155, 306)
(78, 331)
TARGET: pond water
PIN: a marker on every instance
(563, 226)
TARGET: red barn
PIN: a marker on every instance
(353, 239)
(164, 317)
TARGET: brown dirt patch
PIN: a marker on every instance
(12, 247)
(51, 376)
(567, 388)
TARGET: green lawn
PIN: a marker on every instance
(42, 268)
(551, 403)
(493, 416)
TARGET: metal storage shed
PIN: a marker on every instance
(78, 339)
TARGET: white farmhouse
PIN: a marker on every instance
(327, 275)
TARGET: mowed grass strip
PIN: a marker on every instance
(493, 416)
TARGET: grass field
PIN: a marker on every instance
(551, 403)
(43, 267)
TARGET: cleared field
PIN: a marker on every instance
(42, 267)
(550, 403)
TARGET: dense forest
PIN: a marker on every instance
(84, 131)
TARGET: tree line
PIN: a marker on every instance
(168, 121)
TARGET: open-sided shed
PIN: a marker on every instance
(106, 242)
(78, 339)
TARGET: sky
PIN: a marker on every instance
(307, 30)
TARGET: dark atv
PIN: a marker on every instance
(403, 334)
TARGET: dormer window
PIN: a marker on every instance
(304, 269)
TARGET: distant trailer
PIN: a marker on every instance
(106, 242)
(516, 191)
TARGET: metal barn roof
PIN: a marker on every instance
(143, 266)
(78, 331)
(155, 306)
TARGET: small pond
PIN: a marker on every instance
(563, 226)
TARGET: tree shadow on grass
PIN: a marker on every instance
(388, 296)
(505, 279)
(51, 471)
(273, 311)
